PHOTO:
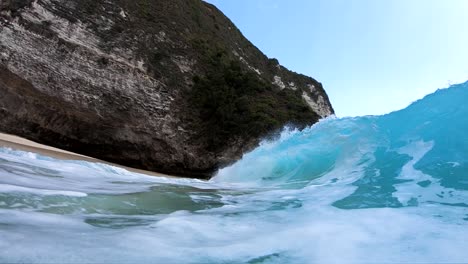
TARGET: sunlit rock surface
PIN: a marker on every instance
(114, 80)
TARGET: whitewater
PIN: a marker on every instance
(391, 188)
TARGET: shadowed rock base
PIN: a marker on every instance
(115, 81)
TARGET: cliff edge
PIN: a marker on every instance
(163, 85)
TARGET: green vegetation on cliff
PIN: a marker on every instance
(232, 102)
(164, 85)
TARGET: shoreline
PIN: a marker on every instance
(22, 144)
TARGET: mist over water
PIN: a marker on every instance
(390, 188)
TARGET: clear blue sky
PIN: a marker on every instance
(372, 56)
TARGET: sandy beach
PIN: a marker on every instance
(23, 144)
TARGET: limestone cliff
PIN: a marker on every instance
(164, 85)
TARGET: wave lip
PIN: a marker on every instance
(383, 152)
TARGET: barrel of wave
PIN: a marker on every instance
(337, 147)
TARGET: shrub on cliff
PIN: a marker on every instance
(232, 102)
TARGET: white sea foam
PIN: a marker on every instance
(273, 224)
(410, 193)
(312, 233)
(276, 205)
(4, 188)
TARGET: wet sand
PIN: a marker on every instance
(22, 144)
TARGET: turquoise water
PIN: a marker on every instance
(390, 188)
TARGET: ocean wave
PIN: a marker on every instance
(390, 188)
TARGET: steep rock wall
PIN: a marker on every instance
(115, 80)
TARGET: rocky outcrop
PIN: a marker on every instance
(131, 82)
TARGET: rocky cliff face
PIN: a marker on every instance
(164, 85)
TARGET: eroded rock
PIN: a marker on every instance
(114, 79)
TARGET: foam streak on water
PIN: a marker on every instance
(390, 188)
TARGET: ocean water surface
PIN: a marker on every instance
(390, 188)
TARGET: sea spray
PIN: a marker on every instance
(390, 188)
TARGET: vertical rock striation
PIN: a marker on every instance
(163, 85)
